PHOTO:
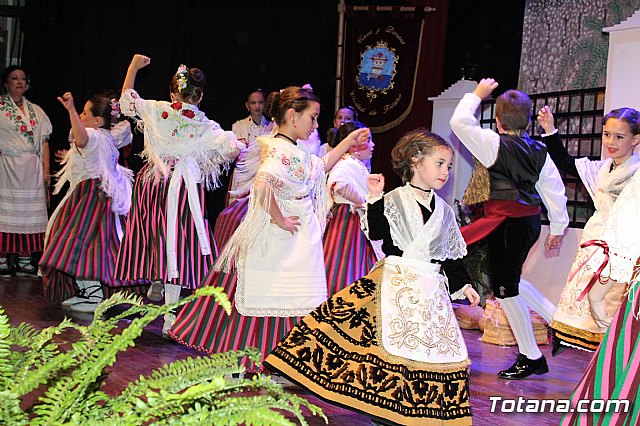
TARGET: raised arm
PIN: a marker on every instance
(77, 128)
(138, 62)
(482, 143)
(357, 137)
(564, 162)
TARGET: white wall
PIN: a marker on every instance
(623, 65)
(548, 270)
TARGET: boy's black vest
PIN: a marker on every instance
(517, 169)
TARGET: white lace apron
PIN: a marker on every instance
(417, 320)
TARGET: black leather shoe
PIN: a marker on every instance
(556, 347)
(524, 367)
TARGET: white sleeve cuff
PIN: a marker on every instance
(460, 293)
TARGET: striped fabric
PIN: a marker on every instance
(83, 243)
(204, 325)
(142, 255)
(614, 370)
(20, 243)
(228, 220)
(348, 254)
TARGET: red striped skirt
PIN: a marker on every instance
(83, 243)
(20, 243)
(204, 325)
(348, 254)
(142, 254)
(613, 373)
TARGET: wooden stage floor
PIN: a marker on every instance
(23, 301)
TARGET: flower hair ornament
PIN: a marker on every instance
(115, 111)
(181, 77)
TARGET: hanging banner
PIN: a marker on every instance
(381, 57)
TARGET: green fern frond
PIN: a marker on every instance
(191, 391)
(183, 373)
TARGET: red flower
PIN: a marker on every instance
(285, 160)
(23, 128)
(32, 122)
(165, 114)
(30, 132)
(176, 105)
(188, 113)
(8, 114)
(19, 117)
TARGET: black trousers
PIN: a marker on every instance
(509, 247)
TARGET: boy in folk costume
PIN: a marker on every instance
(521, 175)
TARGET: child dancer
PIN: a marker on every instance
(348, 254)
(521, 175)
(389, 344)
(345, 114)
(277, 249)
(612, 375)
(248, 129)
(84, 232)
(588, 301)
(167, 239)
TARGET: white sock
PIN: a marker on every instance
(171, 293)
(536, 300)
(517, 313)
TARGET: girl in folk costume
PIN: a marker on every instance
(24, 173)
(389, 344)
(613, 374)
(167, 239)
(586, 307)
(84, 232)
(348, 254)
(247, 164)
(247, 130)
(345, 114)
(196, 316)
(277, 249)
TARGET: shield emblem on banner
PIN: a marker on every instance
(377, 69)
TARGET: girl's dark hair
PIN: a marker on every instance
(278, 103)
(5, 76)
(350, 108)
(630, 116)
(256, 90)
(411, 148)
(337, 135)
(195, 80)
(101, 107)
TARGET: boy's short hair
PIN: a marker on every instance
(513, 109)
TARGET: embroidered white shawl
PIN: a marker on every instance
(98, 159)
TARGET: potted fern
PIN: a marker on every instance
(45, 379)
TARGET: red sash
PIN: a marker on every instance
(495, 212)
